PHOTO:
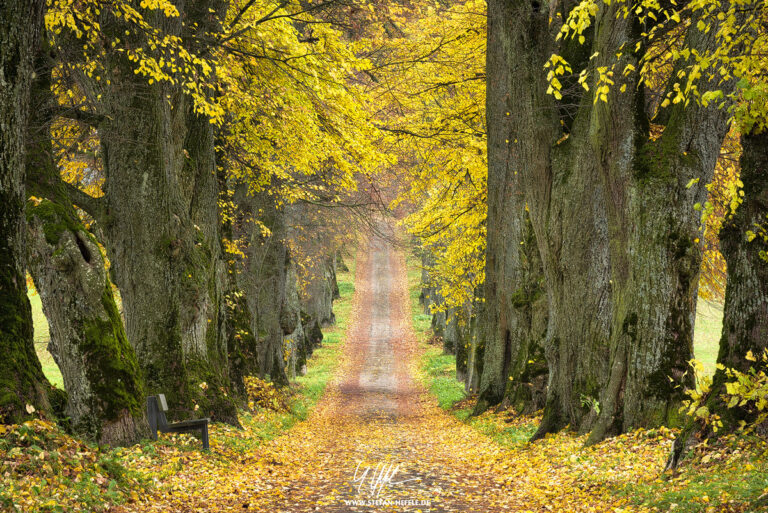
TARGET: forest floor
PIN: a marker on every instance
(389, 432)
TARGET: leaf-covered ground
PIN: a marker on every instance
(390, 431)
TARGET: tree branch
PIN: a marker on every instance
(88, 118)
(95, 207)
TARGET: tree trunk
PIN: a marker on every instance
(655, 248)
(333, 267)
(341, 266)
(745, 316)
(439, 322)
(475, 357)
(317, 293)
(298, 344)
(88, 342)
(452, 333)
(22, 382)
(427, 295)
(242, 345)
(264, 281)
(513, 267)
(101, 375)
(565, 200)
(501, 330)
(745, 321)
(526, 377)
(613, 221)
(162, 236)
(462, 352)
(241, 342)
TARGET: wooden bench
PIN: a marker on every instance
(156, 408)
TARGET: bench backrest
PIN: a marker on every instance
(156, 408)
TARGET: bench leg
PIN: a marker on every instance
(205, 437)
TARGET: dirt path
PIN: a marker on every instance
(376, 441)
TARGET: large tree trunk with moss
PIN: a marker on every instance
(654, 186)
(88, 342)
(168, 266)
(162, 236)
(22, 382)
(745, 317)
(565, 200)
(101, 375)
(513, 268)
(587, 168)
(242, 343)
(526, 379)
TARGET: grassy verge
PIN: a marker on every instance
(731, 476)
(437, 371)
(706, 334)
(44, 470)
(42, 336)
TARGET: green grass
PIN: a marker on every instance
(706, 334)
(42, 336)
(39, 322)
(506, 436)
(437, 370)
(421, 322)
(440, 373)
(736, 474)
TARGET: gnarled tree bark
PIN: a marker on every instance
(105, 389)
(654, 231)
(22, 381)
(745, 315)
(587, 168)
